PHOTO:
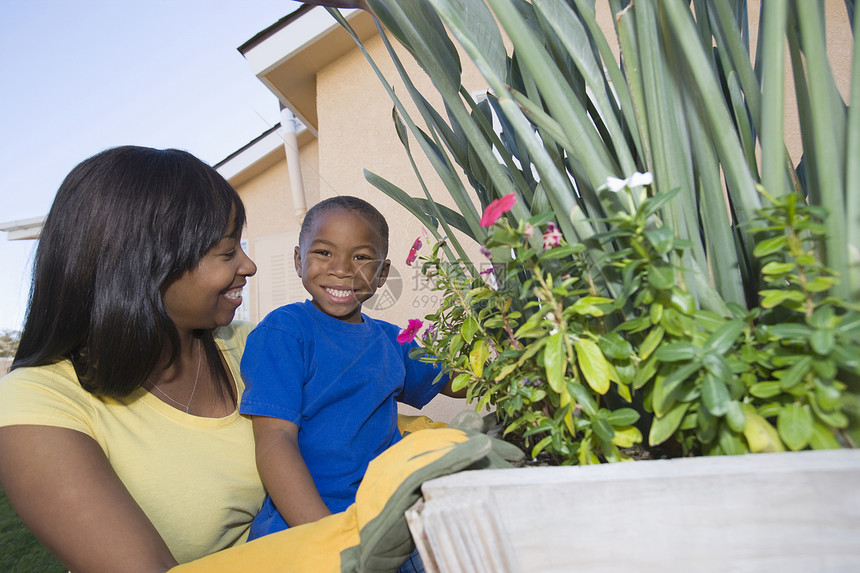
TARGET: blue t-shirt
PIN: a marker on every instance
(340, 384)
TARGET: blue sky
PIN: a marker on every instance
(79, 77)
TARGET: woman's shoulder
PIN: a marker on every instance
(44, 395)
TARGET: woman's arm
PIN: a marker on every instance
(64, 489)
(284, 472)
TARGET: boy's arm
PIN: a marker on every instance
(284, 472)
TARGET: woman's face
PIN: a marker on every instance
(209, 294)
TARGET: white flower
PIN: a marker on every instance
(636, 180)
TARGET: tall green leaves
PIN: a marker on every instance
(681, 100)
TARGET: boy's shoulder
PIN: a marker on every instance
(286, 316)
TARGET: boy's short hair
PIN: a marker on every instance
(348, 203)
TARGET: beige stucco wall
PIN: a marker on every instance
(839, 49)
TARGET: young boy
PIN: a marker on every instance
(322, 379)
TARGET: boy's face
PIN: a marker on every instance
(341, 263)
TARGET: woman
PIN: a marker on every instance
(121, 446)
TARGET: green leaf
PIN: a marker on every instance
(765, 389)
(469, 328)
(770, 246)
(795, 374)
(735, 417)
(677, 352)
(661, 238)
(615, 346)
(661, 276)
(665, 391)
(555, 361)
(715, 395)
(775, 268)
(623, 417)
(505, 371)
(587, 305)
(654, 338)
(682, 301)
(731, 443)
(822, 341)
(724, 337)
(593, 364)
(794, 425)
(460, 382)
(823, 438)
(645, 373)
(821, 284)
(582, 397)
(791, 331)
(663, 427)
(772, 298)
(603, 429)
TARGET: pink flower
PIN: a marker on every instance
(409, 333)
(551, 237)
(497, 208)
(413, 252)
(529, 231)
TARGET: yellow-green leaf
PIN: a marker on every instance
(503, 373)
(775, 268)
(651, 342)
(760, 435)
(565, 399)
(627, 436)
(460, 382)
(624, 392)
(478, 357)
(593, 364)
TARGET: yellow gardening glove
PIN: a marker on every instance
(371, 535)
(410, 424)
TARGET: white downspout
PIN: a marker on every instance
(290, 126)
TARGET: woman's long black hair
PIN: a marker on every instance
(125, 224)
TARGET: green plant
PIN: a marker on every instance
(684, 101)
(583, 376)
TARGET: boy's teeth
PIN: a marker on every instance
(235, 294)
(339, 293)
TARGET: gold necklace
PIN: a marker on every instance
(186, 407)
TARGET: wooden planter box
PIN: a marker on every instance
(782, 512)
